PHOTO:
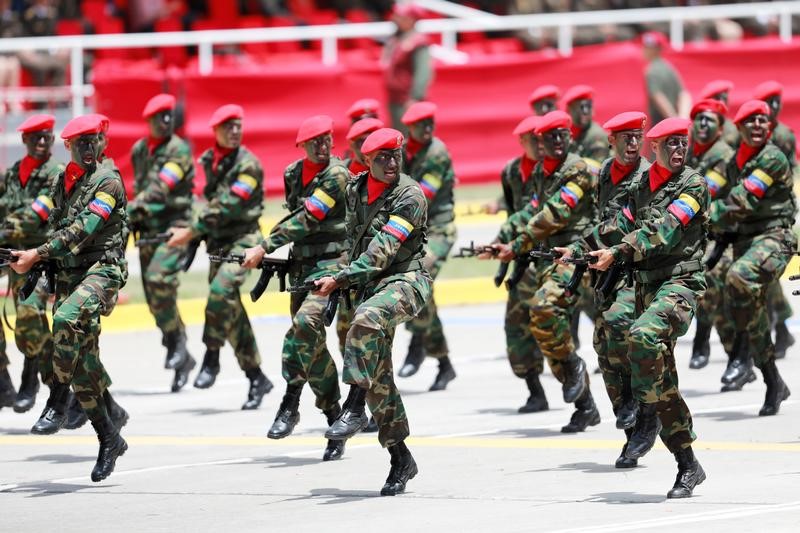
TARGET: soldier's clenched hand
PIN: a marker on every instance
(504, 252)
(604, 259)
(253, 256)
(566, 253)
(325, 285)
(180, 236)
(26, 260)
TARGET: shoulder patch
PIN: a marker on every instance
(244, 186)
(319, 204)
(398, 227)
(171, 174)
(593, 165)
(571, 194)
(758, 182)
(430, 184)
(715, 182)
(102, 205)
(42, 206)
(684, 208)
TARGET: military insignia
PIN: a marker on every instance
(171, 174)
(535, 201)
(593, 164)
(430, 185)
(244, 186)
(758, 182)
(715, 182)
(102, 205)
(42, 206)
(398, 227)
(684, 208)
(627, 212)
(319, 203)
(571, 194)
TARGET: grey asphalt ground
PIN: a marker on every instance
(198, 463)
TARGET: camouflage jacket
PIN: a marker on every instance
(392, 243)
(730, 134)
(316, 222)
(592, 146)
(761, 195)
(516, 193)
(235, 196)
(783, 137)
(432, 168)
(712, 165)
(163, 183)
(26, 210)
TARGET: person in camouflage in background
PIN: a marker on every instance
(386, 217)
(229, 224)
(565, 211)
(544, 99)
(88, 226)
(618, 175)
(720, 90)
(428, 163)
(163, 182)
(661, 233)
(314, 188)
(762, 206)
(361, 109)
(25, 207)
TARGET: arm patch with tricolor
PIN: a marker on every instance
(42, 207)
(593, 165)
(535, 201)
(398, 227)
(102, 205)
(571, 194)
(319, 204)
(430, 184)
(684, 208)
(171, 174)
(244, 186)
(715, 182)
(758, 182)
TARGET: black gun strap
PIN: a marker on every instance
(373, 210)
(5, 301)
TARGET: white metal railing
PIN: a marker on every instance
(329, 35)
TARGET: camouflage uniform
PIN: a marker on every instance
(229, 221)
(387, 267)
(730, 134)
(316, 227)
(163, 183)
(592, 146)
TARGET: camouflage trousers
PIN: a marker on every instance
(610, 341)
(427, 323)
(226, 318)
(757, 263)
(81, 298)
(160, 267)
(368, 349)
(779, 308)
(711, 306)
(664, 311)
(523, 353)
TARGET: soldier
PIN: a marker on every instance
(666, 95)
(661, 233)
(356, 163)
(25, 207)
(363, 108)
(163, 182)
(563, 213)
(314, 188)
(428, 162)
(762, 206)
(720, 90)
(589, 141)
(229, 223)
(386, 213)
(87, 247)
(543, 99)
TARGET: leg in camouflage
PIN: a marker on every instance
(779, 311)
(523, 353)
(7, 391)
(611, 344)
(710, 312)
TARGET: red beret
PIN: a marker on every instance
(104, 121)
(669, 126)
(578, 92)
(37, 123)
(408, 9)
(365, 125)
(225, 113)
(382, 139)
(654, 39)
(767, 89)
(314, 127)
(157, 104)
(365, 105)
(527, 125)
(713, 88)
(553, 120)
(545, 91)
(709, 104)
(83, 125)
(751, 107)
(418, 111)
(630, 120)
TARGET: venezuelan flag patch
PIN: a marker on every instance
(535, 201)
(571, 194)
(244, 186)
(319, 203)
(102, 205)
(398, 227)
(42, 207)
(684, 208)
(171, 174)
(715, 182)
(627, 212)
(430, 185)
(593, 165)
(758, 182)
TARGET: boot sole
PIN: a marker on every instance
(120, 454)
(442, 384)
(407, 374)
(411, 476)
(278, 436)
(786, 394)
(191, 364)
(18, 409)
(524, 410)
(329, 436)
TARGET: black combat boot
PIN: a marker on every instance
(7, 391)
(777, 391)
(690, 474)
(288, 413)
(585, 415)
(701, 348)
(335, 448)
(403, 469)
(260, 385)
(627, 412)
(112, 445)
(414, 358)
(645, 432)
(181, 377)
(622, 460)
(537, 401)
(29, 385)
(783, 340)
(372, 426)
(576, 380)
(76, 416)
(446, 374)
(118, 415)
(352, 419)
(739, 384)
(177, 353)
(740, 362)
(209, 370)
(54, 415)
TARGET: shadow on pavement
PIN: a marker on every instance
(626, 497)
(510, 411)
(531, 433)
(62, 458)
(588, 468)
(39, 490)
(728, 416)
(206, 411)
(696, 393)
(14, 431)
(283, 461)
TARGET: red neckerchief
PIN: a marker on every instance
(699, 149)
(356, 167)
(526, 166)
(576, 131)
(550, 165)
(745, 153)
(658, 176)
(620, 171)
(310, 170)
(374, 188)
(219, 154)
(413, 147)
(155, 142)
(72, 174)
(27, 166)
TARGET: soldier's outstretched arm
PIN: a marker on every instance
(30, 218)
(515, 224)
(231, 203)
(746, 195)
(156, 192)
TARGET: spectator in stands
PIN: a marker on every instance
(666, 95)
(48, 67)
(9, 64)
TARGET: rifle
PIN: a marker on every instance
(608, 283)
(581, 266)
(473, 251)
(191, 252)
(333, 299)
(158, 238)
(522, 263)
(269, 266)
(41, 268)
(721, 243)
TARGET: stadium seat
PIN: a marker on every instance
(288, 46)
(257, 50)
(224, 11)
(111, 25)
(171, 55)
(94, 11)
(70, 27)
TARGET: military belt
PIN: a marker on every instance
(84, 260)
(562, 239)
(659, 274)
(757, 228)
(405, 266)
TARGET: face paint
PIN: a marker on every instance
(318, 149)
(422, 130)
(706, 127)
(755, 130)
(671, 152)
(85, 150)
(229, 134)
(581, 112)
(531, 145)
(774, 103)
(384, 165)
(544, 106)
(627, 145)
(38, 143)
(355, 147)
(161, 124)
(555, 142)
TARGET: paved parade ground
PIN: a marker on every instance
(198, 463)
